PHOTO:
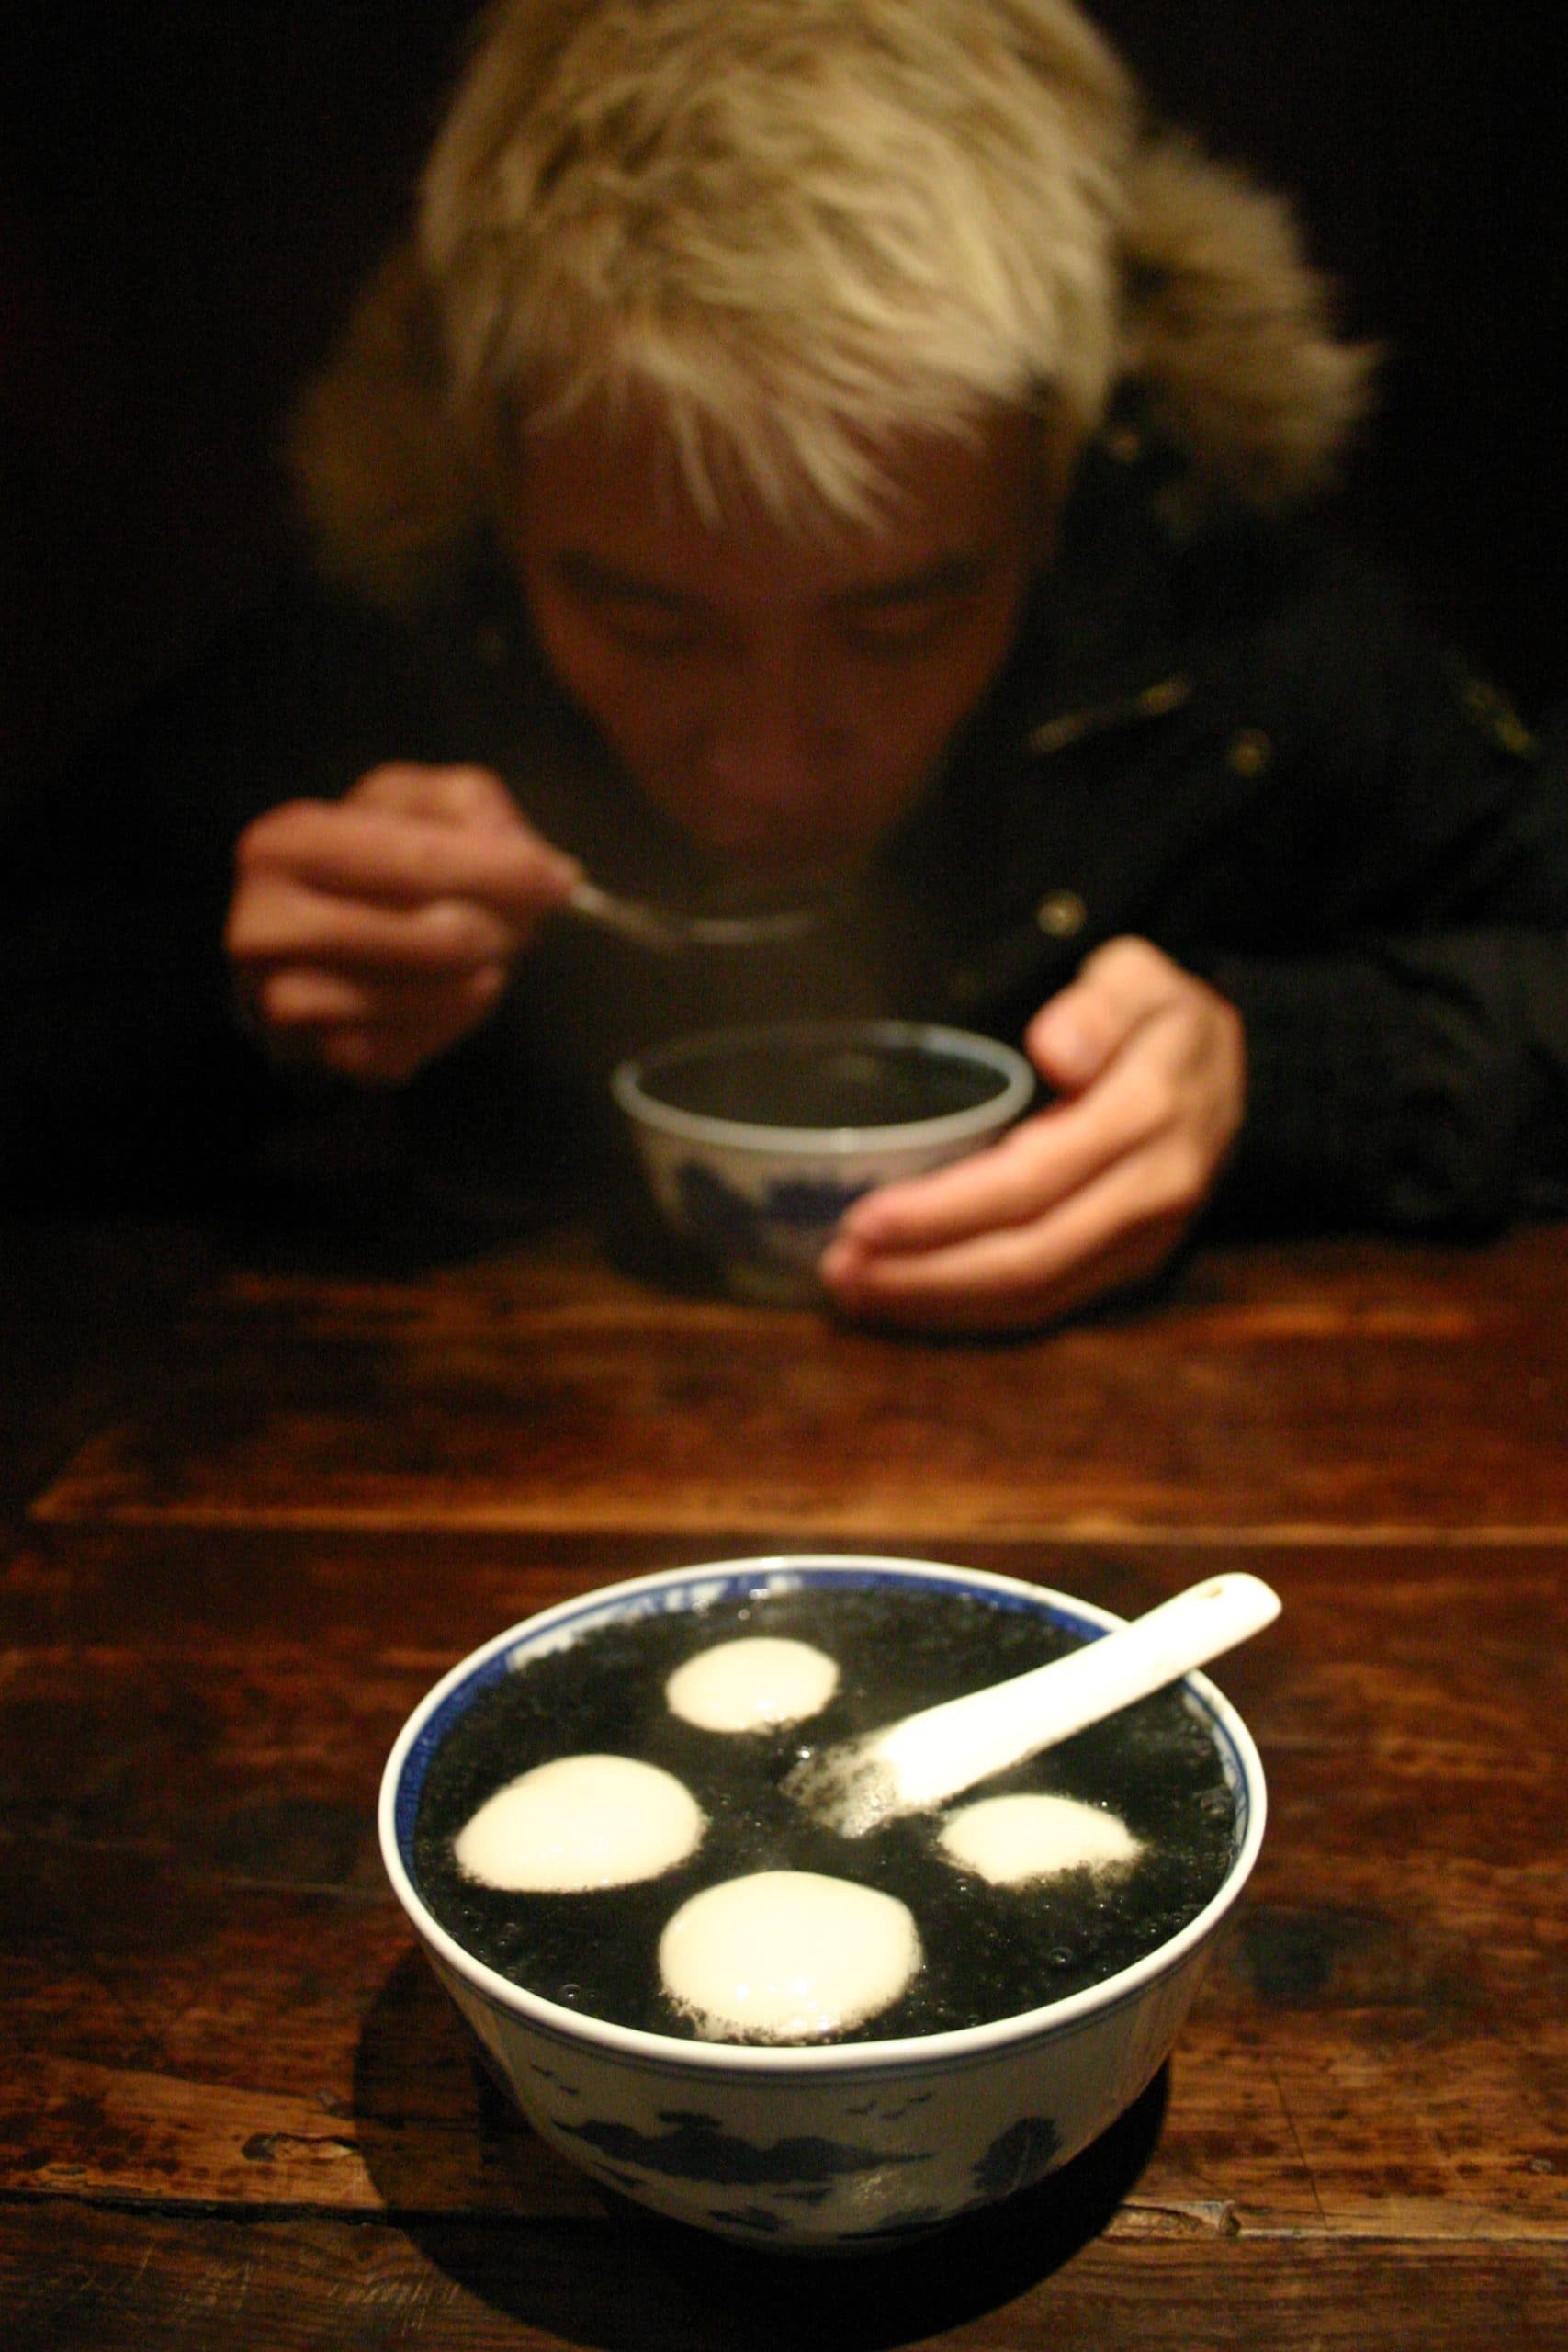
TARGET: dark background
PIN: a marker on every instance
(190, 190)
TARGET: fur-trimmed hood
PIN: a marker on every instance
(1228, 332)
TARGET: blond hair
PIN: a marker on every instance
(795, 229)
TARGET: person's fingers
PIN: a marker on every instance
(305, 997)
(1075, 1038)
(1082, 1198)
(1042, 1161)
(1119, 1229)
(369, 934)
(356, 850)
(450, 796)
(965, 1312)
(281, 919)
(1008, 1183)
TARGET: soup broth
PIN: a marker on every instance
(782, 1084)
(991, 1951)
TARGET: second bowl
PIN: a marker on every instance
(755, 1141)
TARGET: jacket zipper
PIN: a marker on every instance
(1072, 727)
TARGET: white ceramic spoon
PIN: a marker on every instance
(913, 1765)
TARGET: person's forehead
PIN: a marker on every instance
(618, 494)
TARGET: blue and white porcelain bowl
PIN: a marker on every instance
(755, 1141)
(828, 2148)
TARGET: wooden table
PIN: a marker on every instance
(253, 1510)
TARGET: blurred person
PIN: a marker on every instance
(843, 452)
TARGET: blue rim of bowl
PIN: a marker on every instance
(681, 1591)
(1013, 1095)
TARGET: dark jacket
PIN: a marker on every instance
(1218, 731)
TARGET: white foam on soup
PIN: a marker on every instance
(578, 1823)
(787, 1956)
(752, 1685)
(1009, 1840)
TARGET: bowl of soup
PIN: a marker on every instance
(716, 2004)
(755, 1141)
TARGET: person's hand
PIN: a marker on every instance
(369, 935)
(1094, 1193)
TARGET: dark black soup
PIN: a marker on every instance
(989, 1950)
(782, 1083)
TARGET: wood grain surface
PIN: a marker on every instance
(1272, 1393)
(254, 1514)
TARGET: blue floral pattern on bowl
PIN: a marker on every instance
(792, 1217)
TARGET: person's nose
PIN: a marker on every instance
(773, 736)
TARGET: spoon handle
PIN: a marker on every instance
(666, 929)
(629, 917)
(946, 1749)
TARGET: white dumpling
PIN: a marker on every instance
(1011, 1839)
(579, 1822)
(754, 1684)
(787, 1956)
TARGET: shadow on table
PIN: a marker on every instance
(431, 2120)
